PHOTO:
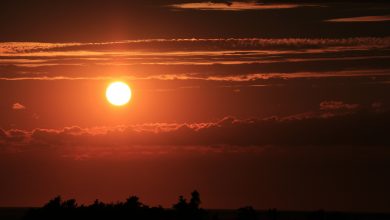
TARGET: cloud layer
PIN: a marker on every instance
(336, 123)
(210, 59)
(379, 18)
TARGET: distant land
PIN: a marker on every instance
(132, 208)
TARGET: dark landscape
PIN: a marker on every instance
(133, 208)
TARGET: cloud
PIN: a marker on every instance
(337, 105)
(380, 18)
(12, 47)
(264, 79)
(184, 44)
(18, 106)
(193, 58)
(236, 6)
(328, 127)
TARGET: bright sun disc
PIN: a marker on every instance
(118, 93)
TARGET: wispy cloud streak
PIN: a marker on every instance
(362, 19)
(197, 44)
(211, 59)
(237, 6)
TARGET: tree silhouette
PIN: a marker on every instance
(189, 210)
(69, 204)
(132, 208)
(53, 203)
(195, 200)
(133, 203)
(181, 205)
(97, 205)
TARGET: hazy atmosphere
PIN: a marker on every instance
(274, 104)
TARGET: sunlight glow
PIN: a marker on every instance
(118, 93)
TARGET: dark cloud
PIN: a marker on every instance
(237, 6)
(378, 18)
(26, 49)
(337, 105)
(40, 20)
(327, 128)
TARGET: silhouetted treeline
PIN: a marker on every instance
(132, 208)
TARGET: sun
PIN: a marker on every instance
(118, 93)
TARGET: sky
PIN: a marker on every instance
(274, 104)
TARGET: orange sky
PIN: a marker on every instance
(248, 103)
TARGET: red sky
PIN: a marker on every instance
(249, 103)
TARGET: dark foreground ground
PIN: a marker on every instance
(12, 213)
(19, 213)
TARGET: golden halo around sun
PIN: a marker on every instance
(118, 93)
